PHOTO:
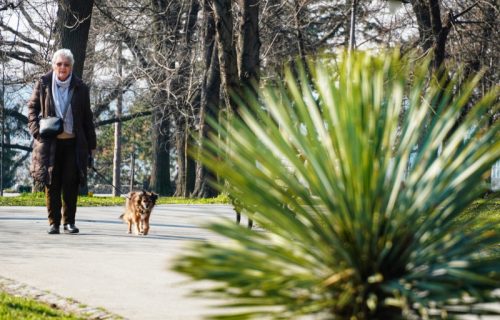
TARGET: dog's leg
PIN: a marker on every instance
(137, 223)
(145, 226)
(129, 230)
(141, 227)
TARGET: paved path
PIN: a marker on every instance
(105, 267)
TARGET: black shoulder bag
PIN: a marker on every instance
(51, 126)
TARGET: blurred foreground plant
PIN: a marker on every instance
(354, 229)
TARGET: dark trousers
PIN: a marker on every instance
(64, 182)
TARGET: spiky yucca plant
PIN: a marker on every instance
(353, 231)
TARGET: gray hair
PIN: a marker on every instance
(65, 53)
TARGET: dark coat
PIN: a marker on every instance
(43, 154)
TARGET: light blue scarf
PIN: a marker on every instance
(62, 100)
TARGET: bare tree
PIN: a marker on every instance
(209, 102)
(74, 24)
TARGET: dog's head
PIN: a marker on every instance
(145, 199)
(152, 197)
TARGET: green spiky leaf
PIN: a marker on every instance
(354, 228)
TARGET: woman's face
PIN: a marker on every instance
(62, 67)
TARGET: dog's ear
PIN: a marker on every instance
(154, 196)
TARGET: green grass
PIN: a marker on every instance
(15, 308)
(488, 209)
(38, 199)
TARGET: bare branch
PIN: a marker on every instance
(17, 115)
(33, 25)
(465, 11)
(20, 35)
(122, 87)
(17, 146)
(10, 5)
(20, 44)
(124, 118)
(469, 22)
(20, 56)
(132, 45)
(329, 34)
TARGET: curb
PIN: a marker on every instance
(55, 301)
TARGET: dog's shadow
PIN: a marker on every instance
(151, 236)
(143, 237)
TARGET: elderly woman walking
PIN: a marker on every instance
(60, 158)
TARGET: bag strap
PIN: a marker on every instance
(42, 100)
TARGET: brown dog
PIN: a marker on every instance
(138, 209)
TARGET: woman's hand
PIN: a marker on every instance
(91, 158)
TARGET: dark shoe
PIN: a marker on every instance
(54, 229)
(70, 228)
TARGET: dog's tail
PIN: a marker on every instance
(121, 217)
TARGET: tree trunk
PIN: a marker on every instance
(352, 27)
(74, 29)
(249, 44)
(185, 164)
(299, 8)
(488, 33)
(248, 60)
(2, 132)
(346, 22)
(190, 165)
(132, 171)
(117, 152)
(227, 52)
(209, 103)
(180, 182)
(432, 30)
(186, 106)
(433, 36)
(160, 167)
(189, 141)
(474, 64)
